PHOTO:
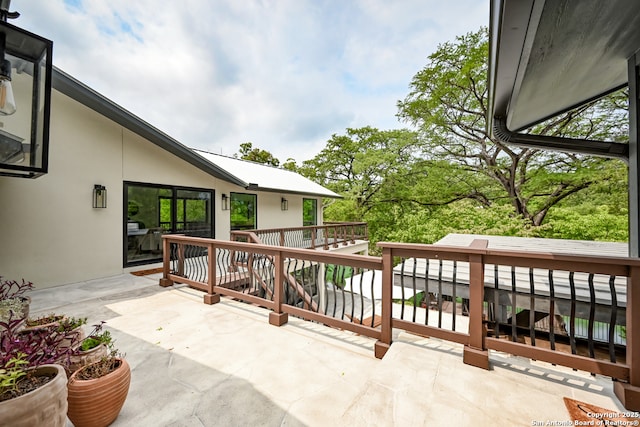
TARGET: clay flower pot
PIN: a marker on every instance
(84, 358)
(97, 402)
(46, 405)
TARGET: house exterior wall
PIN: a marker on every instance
(50, 232)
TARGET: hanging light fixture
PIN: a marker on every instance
(25, 98)
(7, 101)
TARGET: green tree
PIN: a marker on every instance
(362, 165)
(247, 152)
(448, 104)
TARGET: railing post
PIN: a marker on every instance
(314, 236)
(629, 392)
(282, 241)
(475, 353)
(383, 344)
(211, 297)
(277, 317)
(353, 234)
(166, 263)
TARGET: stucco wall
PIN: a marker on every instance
(50, 232)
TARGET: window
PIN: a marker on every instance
(244, 211)
(153, 210)
(309, 212)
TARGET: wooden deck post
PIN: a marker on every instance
(166, 263)
(211, 297)
(629, 392)
(277, 317)
(475, 353)
(383, 344)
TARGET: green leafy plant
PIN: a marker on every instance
(12, 371)
(96, 337)
(68, 324)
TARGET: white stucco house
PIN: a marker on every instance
(52, 234)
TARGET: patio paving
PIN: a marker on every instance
(224, 365)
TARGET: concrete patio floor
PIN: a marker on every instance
(224, 365)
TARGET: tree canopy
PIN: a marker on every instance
(447, 103)
(258, 155)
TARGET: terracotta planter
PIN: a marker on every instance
(54, 322)
(84, 358)
(97, 402)
(45, 406)
(75, 336)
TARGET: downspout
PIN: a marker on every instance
(614, 150)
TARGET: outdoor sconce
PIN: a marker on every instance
(25, 99)
(225, 202)
(99, 196)
(284, 204)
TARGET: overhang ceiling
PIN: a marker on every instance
(547, 57)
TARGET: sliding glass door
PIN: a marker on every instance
(152, 210)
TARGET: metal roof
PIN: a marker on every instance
(259, 177)
(248, 175)
(547, 57)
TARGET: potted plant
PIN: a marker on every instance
(97, 391)
(32, 388)
(13, 303)
(71, 327)
(91, 348)
(44, 321)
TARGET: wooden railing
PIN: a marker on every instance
(522, 303)
(308, 237)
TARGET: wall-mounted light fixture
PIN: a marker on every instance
(225, 202)
(99, 196)
(25, 99)
(284, 204)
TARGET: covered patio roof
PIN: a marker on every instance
(549, 57)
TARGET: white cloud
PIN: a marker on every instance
(283, 74)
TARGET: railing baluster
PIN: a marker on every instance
(440, 294)
(592, 314)
(402, 291)
(496, 302)
(427, 295)
(614, 316)
(339, 279)
(373, 304)
(552, 301)
(532, 308)
(572, 317)
(455, 302)
(514, 308)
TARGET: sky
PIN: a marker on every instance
(284, 75)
